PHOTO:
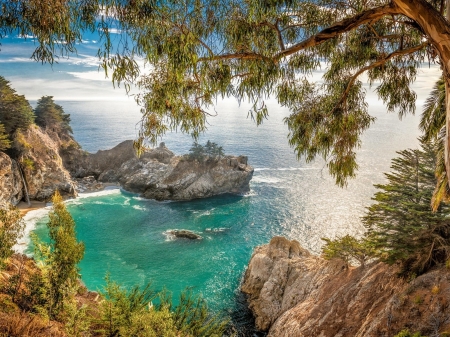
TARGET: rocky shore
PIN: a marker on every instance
(45, 163)
(294, 293)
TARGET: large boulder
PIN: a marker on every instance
(11, 186)
(294, 293)
(159, 174)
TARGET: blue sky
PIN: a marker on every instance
(79, 78)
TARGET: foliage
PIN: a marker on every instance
(5, 143)
(202, 50)
(131, 312)
(347, 248)
(406, 333)
(433, 126)
(15, 111)
(50, 115)
(191, 316)
(60, 257)
(210, 149)
(11, 229)
(401, 223)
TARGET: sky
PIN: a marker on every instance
(79, 78)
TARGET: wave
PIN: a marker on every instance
(267, 180)
(111, 190)
(30, 219)
(285, 169)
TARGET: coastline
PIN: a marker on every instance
(38, 209)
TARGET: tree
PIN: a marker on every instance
(11, 229)
(60, 257)
(5, 143)
(401, 224)
(15, 111)
(200, 50)
(51, 115)
(348, 248)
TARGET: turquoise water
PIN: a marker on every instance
(126, 235)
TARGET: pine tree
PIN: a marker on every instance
(60, 257)
(5, 143)
(51, 115)
(401, 223)
(11, 228)
(15, 111)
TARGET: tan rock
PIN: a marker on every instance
(293, 294)
(11, 185)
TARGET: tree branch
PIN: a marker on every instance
(377, 64)
(339, 28)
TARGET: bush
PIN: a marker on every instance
(210, 149)
(11, 229)
(347, 248)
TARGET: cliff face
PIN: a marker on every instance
(42, 165)
(294, 293)
(10, 181)
(159, 174)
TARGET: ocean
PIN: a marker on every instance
(126, 235)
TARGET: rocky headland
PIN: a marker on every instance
(294, 293)
(45, 163)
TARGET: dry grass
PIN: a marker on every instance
(25, 325)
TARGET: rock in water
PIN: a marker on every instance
(294, 293)
(185, 234)
(159, 174)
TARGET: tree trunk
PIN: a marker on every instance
(437, 28)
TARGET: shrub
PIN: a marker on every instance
(347, 248)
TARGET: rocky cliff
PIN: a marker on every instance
(293, 293)
(11, 186)
(42, 165)
(41, 169)
(159, 174)
(50, 163)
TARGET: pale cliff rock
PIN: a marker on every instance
(11, 185)
(42, 165)
(159, 174)
(294, 293)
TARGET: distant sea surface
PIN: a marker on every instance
(126, 235)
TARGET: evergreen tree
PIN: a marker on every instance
(5, 143)
(51, 115)
(401, 223)
(15, 111)
(11, 228)
(60, 257)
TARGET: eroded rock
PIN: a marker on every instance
(185, 234)
(294, 293)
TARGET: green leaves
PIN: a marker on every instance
(11, 229)
(401, 223)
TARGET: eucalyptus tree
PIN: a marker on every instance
(201, 50)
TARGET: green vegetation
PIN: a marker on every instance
(50, 290)
(209, 150)
(5, 143)
(200, 51)
(15, 111)
(11, 227)
(132, 313)
(406, 333)
(348, 249)
(401, 224)
(50, 115)
(59, 258)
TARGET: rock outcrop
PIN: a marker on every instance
(294, 293)
(184, 234)
(11, 185)
(159, 174)
(42, 165)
